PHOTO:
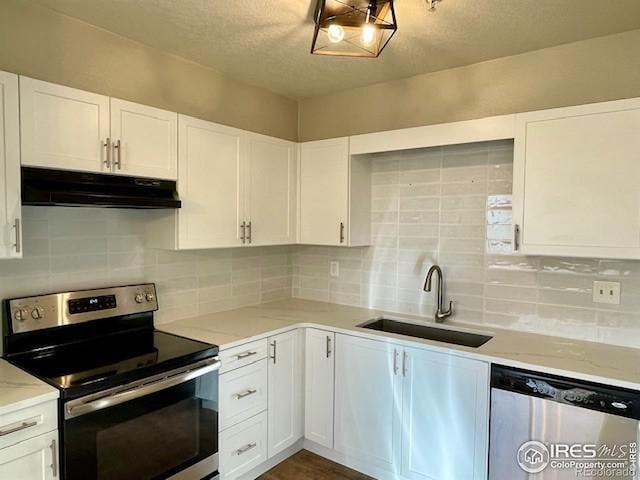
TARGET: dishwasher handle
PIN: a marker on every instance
(579, 393)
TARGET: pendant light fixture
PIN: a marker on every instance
(353, 28)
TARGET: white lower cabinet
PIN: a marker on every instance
(410, 411)
(367, 402)
(387, 410)
(445, 403)
(243, 447)
(33, 459)
(319, 378)
(286, 390)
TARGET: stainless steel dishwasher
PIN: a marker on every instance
(545, 427)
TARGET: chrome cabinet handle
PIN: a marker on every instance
(118, 161)
(246, 448)
(107, 154)
(22, 426)
(395, 361)
(243, 227)
(405, 368)
(244, 394)
(274, 345)
(244, 355)
(341, 232)
(249, 232)
(54, 458)
(16, 227)
(328, 346)
(516, 237)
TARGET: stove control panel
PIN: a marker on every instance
(47, 311)
(92, 304)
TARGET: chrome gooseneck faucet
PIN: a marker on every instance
(440, 313)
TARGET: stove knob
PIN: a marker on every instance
(139, 298)
(37, 313)
(21, 315)
(150, 297)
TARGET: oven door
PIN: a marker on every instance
(161, 427)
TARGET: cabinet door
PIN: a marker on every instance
(577, 181)
(210, 160)
(10, 205)
(367, 402)
(286, 391)
(145, 140)
(61, 127)
(324, 191)
(445, 417)
(33, 459)
(271, 193)
(319, 378)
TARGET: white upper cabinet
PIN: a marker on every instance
(62, 127)
(144, 140)
(210, 163)
(335, 195)
(71, 129)
(286, 390)
(577, 181)
(10, 206)
(237, 189)
(444, 413)
(319, 381)
(270, 199)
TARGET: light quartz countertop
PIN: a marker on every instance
(18, 389)
(596, 362)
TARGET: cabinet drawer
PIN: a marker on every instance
(243, 393)
(242, 355)
(243, 447)
(28, 423)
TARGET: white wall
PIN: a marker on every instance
(452, 206)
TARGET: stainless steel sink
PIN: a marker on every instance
(457, 337)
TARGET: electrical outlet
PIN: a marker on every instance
(334, 269)
(606, 292)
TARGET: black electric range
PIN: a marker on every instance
(121, 382)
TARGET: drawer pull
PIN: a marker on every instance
(244, 355)
(246, 448)
(244, 394)
(22, 426)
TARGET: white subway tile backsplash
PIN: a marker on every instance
(78, 248)
(452, 206)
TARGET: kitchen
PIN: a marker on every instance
(295, 281)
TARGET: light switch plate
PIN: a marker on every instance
(334, 269)
(606, 292)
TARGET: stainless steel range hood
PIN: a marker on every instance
(45, 187)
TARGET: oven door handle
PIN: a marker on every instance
(118, 395)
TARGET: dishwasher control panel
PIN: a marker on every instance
(603, 398)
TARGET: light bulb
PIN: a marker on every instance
(335, 33)
(368, 34)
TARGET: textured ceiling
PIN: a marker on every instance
(266, 42)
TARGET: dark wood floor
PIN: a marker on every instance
(308, 466)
